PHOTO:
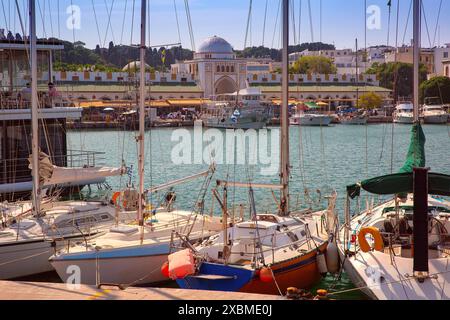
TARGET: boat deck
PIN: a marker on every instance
(10, 290)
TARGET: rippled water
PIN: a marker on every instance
(321, 158)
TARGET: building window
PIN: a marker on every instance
(218, 68)
(445, 55)
(232, 68)
(447, 71)
(228, 68)
(223, 69)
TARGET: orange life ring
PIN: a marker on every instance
(116, 196)
(378, 239)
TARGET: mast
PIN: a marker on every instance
(357, 75)
(285, 114)
(141, 136)
(34, 113)
(416, 57)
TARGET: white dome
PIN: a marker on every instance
(134, 66)
(215, 45)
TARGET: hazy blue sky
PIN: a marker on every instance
(342, 21)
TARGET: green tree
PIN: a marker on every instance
(311, 64)
(370, 100)
(402, 72)
(436, 87)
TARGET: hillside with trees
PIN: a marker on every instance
(76, 57)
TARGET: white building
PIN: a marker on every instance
(215, 68)
(441, 54)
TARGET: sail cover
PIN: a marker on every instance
(50, 174)
(439, 184)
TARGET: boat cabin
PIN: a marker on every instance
(15, 116)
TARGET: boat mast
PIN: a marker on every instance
(34, 112)
(357, 75)
(284, 210)
(416, 57)
(141, 137)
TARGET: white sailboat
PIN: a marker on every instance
(130, 254)
(31, 230)
(400, 249)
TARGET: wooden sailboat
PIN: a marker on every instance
(400, 249)
(269, 253)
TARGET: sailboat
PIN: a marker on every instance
(400, 249)
(132, 254)
(31, 231)
(269, 253)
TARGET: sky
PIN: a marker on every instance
(101, 21)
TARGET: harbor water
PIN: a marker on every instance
(322, 159)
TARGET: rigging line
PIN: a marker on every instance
(132, 22)
(249, 17)
(96, 23)
(299, 21)
(276, 23)
(310, 21)
(42, 17)
(294, 29)
(389, 23)
(51, 18)
(407, 21)
(264, 25)
(189, 20)
(108, 25)
(437, 24)
(123, 21)
(320, 3)
(178, 22)
(59, 24)
(23, 31)
(426, 23)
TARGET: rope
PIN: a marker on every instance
(108, 25)
(123, 21)
(96, 23)
(437, 24)
(24, 258)
(407, 21)
(426, 23)
(178, 23)
(276, 23)
(264, 25)
(249, 17)
(311, 21)
(189, 20)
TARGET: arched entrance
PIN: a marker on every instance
(225, 85)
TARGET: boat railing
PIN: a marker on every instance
(15, 168)
(14, 101)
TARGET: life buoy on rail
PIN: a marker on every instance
(378, 239)
(115, 197)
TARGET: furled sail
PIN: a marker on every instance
(50, 174)
(402, 182)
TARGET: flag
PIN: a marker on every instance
(389, 3)
(163, 56)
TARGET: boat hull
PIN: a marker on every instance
(312, 121)
(28, 258)
(301, 272)
(403, 120)
(134, 265)
(436, 119)
(354, 121)
(213, 123)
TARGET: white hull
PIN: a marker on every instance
(355, 121)
(435, 119)
(403, 120)
(125, 270)
(27, 258)
(216, 123)
(315, 121)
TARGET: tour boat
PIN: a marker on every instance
(239, 110)
(403, 113)
(433, 112)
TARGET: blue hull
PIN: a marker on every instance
(238, 278)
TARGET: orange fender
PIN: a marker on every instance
(364, 245)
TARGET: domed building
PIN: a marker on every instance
(215, 67)
(134, 66)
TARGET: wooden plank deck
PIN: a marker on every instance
(11, 290)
